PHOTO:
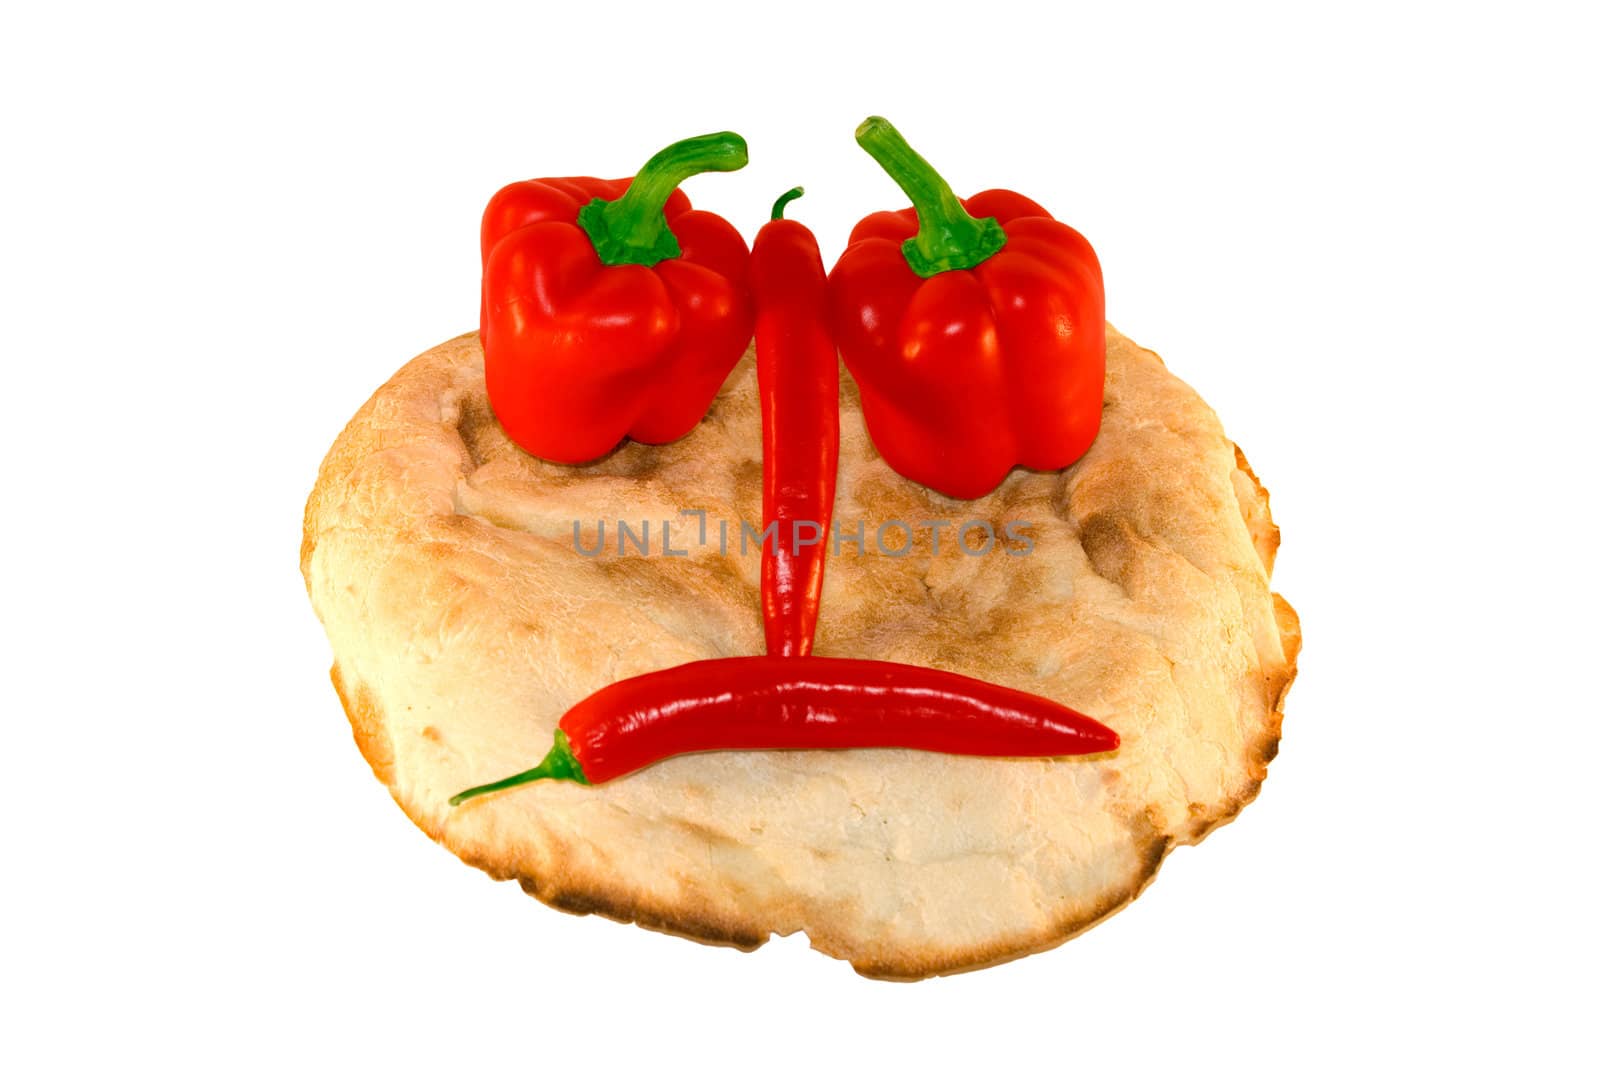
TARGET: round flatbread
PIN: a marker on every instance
(470, 600)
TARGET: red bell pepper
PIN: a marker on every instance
(612, 309)
(975, 329)
(798, 371)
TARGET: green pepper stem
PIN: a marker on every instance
(948, 238)
(793, 194)
(559, 763)
(632, 228)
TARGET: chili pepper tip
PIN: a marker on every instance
(793, 194)
(559, 763)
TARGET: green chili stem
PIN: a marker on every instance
(948, 238)
(632, 228)
(559, 763)
(793, 194)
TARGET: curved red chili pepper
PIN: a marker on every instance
(798, 371)
(764, 702)
(611, 309)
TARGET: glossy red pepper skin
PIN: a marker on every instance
(579, 355)
(798, 371)
(815, 702)
(971, 372)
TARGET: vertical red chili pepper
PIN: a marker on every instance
(798, 372)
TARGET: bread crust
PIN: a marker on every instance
(464, 621)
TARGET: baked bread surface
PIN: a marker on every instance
(465, 619)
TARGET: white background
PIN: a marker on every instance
(1368, 236)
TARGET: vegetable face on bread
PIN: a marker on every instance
(919, 795)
